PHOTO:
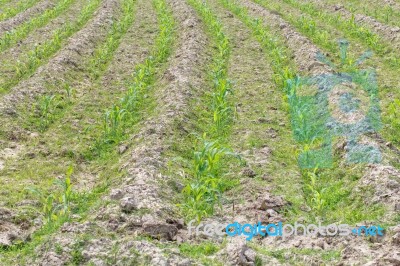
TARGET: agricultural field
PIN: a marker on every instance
(167, 132)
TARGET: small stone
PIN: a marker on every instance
(30, 155)
(180, 223)
(338, 7)
(249, 172)
(271, 213)
(10, 111)
(397, 207)
(122, 149)
(34, 135)
(263, 120)
(250, 255)
(179, 240)
(274, 203)
(116, 194)
(129, 204)
(392, 184)
(266, 177)
(160, 230)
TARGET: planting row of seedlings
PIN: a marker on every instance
(41, 112)
(40, 100)
(13, 10)
(44, 111)
(281, 60)
(206, 179)
(348, 170)
(66, 67)
(4, 2)
(259, 66)
(385, 34)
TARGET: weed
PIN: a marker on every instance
(76, 253)
(316, 200)
(66, 194)
(197, 251)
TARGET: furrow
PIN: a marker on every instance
(385, 13)
(261, 124)
(130, 53)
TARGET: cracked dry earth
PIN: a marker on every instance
(128, 194)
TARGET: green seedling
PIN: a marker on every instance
(204, 190)
(66, 196)
(56, 206)
(46, 108)
(113, 123)
(69, 91)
